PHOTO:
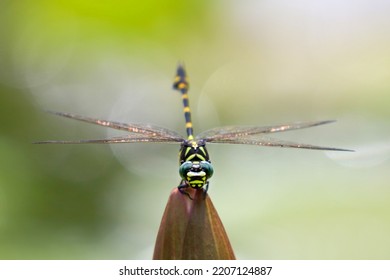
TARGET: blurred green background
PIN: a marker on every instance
(250, 62)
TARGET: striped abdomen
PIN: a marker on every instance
(181, 84)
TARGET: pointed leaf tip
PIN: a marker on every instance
(191, 229)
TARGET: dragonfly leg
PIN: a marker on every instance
(183, 185)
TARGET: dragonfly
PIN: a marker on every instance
(195, 167)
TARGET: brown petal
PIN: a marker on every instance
(191, 229)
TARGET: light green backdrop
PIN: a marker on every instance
(250, 62)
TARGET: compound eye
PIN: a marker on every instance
(184, 169)
(207, 168)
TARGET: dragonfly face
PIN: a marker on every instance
(195, 168)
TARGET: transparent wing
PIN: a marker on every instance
(246, 131)
(255, 135)
(114, 140)
(271, 142)
(138, 132)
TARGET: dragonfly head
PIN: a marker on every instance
(196, 173)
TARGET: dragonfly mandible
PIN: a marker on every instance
(195, 167)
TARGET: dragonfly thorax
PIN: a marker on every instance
(192, 150)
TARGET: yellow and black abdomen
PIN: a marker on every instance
(181, 84)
